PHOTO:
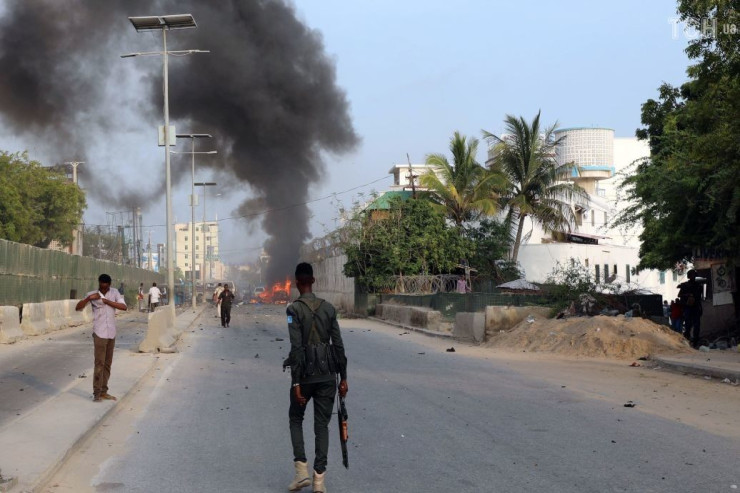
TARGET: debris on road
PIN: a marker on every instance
(635, 364)
(630, 404)
(450, 350)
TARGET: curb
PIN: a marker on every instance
(42, 481)
(700, 370)
(430, 333)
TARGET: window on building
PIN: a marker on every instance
(186, 247)
(186, 255)
(186, 264)
(208, 238)
(197, 256)
(614, 272)
(627, 272)
(606, 272)
(675, 276)
(662, 277)
(593, 218)
(601, 192)
(598, 272)
(586, 261)
(186, 238)
(605, 218)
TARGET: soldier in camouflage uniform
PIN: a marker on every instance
(316, 356)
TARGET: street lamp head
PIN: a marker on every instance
(157, 22)
(194, 136)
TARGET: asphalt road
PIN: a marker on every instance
(435, 422)
(36, 370)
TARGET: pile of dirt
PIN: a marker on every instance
(600, 336)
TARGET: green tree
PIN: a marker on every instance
(463, 188)
(491, 242)
(37, 204)
(534, 183)
(413, 239)
(687, 194)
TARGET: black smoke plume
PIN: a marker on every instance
(267, 92)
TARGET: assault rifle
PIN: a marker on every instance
(343, 431)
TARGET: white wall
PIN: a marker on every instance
(538, 261)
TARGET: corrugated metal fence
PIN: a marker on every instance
(30, 275)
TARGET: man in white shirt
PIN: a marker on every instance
(154, 295)
(216, 293)
(105, 301)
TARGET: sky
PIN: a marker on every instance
(415, 71)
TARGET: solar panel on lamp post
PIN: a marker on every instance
(165, 23)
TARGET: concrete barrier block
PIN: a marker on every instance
(34, 320)
(10, 326)
(56, 314)
(75, 318)
(413, 316)
(470, 326)
(160, 333)
(500, 318)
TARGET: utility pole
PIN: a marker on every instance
(412, 177)
(149, 247)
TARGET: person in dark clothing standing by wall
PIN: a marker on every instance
(225, 299)
(690, 293)
(316, 356)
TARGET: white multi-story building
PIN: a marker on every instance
(610, 253)
(406, 174)
(206, 249)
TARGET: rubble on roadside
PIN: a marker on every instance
(597, 336)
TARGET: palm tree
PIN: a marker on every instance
(463, 189)
(535, 184)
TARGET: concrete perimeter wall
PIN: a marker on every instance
(332, 285)
(32, 275)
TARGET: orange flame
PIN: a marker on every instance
(278, 293)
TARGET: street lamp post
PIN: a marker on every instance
(203, 229)
(192, 138)
(165, 23)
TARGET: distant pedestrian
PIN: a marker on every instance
(316, 357)
(677, 315)
(666, 312)
(226, 298)
(154, 296)
(105, 301)
(690, 293)
(216, 293)
(140, 297)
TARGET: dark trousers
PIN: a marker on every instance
(322, 394)
(103, 361)
(692, 325)
(225, 314)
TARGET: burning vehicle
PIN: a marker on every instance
(277, 294)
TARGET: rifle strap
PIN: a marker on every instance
(311, 335)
